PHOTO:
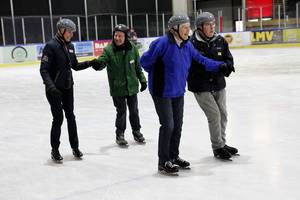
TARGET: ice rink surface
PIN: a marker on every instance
(263, 99)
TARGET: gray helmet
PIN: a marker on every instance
(121, 27)
(203, 18)
(66, 24)
(176, 20)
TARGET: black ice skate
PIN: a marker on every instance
(168, 168)
(120, 140)
(138, 137)
(233, 151)
(55, 156)
(182, 164)
(77, 153)
(222, 154)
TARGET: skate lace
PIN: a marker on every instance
(180, 160)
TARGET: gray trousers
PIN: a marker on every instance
(213, 105)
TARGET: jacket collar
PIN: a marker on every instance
(200, 38)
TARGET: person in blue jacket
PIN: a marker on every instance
(167, 62)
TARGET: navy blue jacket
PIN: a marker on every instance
(216, 48)
(56, 63)
(168, 65)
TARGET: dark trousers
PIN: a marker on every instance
(120, 104)
(58, 104)
(170, 113)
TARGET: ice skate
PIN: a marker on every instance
(182, 164)
(222, 154)
(138, 137)
(55, 156)
(77, 153)
(233, 151)
(168, 168)
(120, 140)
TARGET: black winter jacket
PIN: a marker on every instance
(200, 80)
(57, 60)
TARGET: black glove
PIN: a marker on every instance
(54, 92)
(143, 86)
(95, 64)
(226, 69)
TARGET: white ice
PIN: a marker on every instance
(263, 98)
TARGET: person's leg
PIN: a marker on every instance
(164, 111)
(120, 105)
(209, 106)
(177, 106)
(220, 98)
(57, 114)
(68, 106)
(221, 101)
(132, 102)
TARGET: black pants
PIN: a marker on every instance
(120, 104)
(58, 104)
(170, 113)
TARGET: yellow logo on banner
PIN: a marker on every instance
(262, 36)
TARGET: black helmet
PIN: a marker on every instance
(121, 27)
(66, 24)
(203, 18)
(176, 20)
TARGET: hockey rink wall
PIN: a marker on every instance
(12, 55)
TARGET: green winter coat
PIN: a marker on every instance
(123, 70)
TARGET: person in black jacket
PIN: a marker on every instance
(209, 87)
(56, 63)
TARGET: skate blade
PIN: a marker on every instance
(184, 168)
(163, 172)
(141, 143)
(57, 161)
(223, 159)
(237, 154)
(123, 145)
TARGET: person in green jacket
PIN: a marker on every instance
(122, 61)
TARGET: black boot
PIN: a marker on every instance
(231, 150)
(222, 153)
(138, 136)
(168, 168)
(77, 153)
(183, 164)
(120, 140)
(55, 156)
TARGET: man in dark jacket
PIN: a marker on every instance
(57, 61)
(122, 62)
(167, 62)
(209, 87)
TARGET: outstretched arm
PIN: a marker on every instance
(210, 65)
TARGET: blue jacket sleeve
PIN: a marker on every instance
(210, 65)
(149, 58)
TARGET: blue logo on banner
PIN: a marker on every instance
(83, 48)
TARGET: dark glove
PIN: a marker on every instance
(95, 64)
(143, 86)
(226, 69)
(54, 92)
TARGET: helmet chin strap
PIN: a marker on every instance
(177, 31)
(62, 35)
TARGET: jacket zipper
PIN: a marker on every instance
(57, 75)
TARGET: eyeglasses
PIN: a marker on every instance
(211, 24)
